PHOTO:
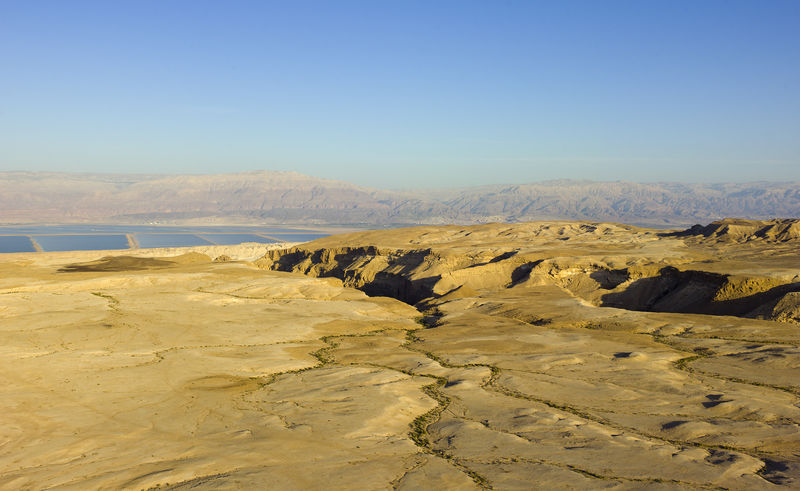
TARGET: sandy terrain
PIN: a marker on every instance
(538, 355)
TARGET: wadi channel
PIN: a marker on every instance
(540, 355)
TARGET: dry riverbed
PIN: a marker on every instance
(162, 370)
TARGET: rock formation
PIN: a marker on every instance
(650, 344)
(543, 355)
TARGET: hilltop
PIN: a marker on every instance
(739, 230)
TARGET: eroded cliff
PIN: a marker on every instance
(604, 264)
(626, 355)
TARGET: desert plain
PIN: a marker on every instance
(540, 355)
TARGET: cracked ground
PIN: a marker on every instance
(184, 373)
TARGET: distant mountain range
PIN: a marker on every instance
(289, 197)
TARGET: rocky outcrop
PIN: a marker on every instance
(787, 309)
(701, 292)
(519, 322)
(376, 272)
(740, 230)
(429, 276)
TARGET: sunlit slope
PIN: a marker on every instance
(616, 353)
(536, 355)
(138, 372)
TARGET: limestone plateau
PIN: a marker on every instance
(540, 355)
(289, 197)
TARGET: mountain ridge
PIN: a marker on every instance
(291, 197)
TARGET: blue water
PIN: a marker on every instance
(81, 242)
(143, 229)
(16, 244)
(296, 237)
(99, 237)
(170, 240)
(233, 239)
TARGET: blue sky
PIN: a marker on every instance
(405, 93)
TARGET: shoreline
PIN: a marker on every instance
(249, 251)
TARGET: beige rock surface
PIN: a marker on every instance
(579, 355)
(134, 373)
(545, 355)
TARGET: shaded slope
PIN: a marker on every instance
(741, 230)
(606, 264)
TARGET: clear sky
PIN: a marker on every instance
(405, 93)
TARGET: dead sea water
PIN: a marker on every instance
(119, 237)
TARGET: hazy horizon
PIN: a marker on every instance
(421, 187)
(405, 95)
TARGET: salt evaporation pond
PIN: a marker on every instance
(169, 240)
(233, 239)
(84, 237)
(296, 237)
(51, 243)
(16, 243)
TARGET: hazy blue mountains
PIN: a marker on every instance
(289, 197)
